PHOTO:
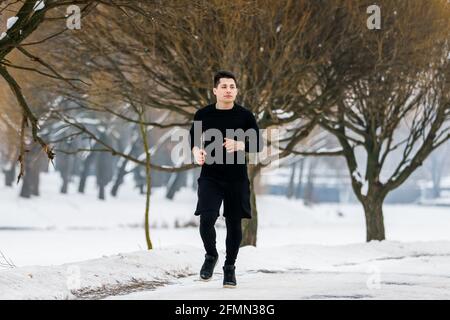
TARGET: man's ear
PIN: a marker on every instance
(215, 91)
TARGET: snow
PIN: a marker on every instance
(365, 188)
(88, 121)
(327, 149)
(356, 175)
(386, 270)
(375, 270)
(2, 35)
(444, 183)
(10, 22)
(69, 246)
(440, 201)
(39, 5)
(61, 282)
(364, 183)
(283, 114)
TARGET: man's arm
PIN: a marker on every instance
(254, 146)
(195, 134)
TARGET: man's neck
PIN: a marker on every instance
(224, 105)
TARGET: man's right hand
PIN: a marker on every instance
(199, 155)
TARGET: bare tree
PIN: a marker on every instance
(278, 55)
(25, 19)
(397, 75)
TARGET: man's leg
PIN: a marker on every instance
(233, 240)
(208, 232)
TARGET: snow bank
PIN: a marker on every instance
(151, 270)
(98, 277)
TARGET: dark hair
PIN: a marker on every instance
(223, 74)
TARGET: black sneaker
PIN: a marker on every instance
(207, 269)
(229, 276)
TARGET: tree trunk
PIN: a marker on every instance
(175, 184)
(25, 192)
(291, 185)
(122, 172)
(373, 209)
(250, 226)
(35, 173)
(119, 180)
(147, 180)
(66, 172)
(101, 192)
(64, 186)
(308, 196)
(85, 172)
(30, 185)
(10, 175)
(298, 189)
(436, 174)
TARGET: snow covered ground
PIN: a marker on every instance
(377, 270)
(303, 252)
(388, 270)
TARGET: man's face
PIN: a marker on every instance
(226, 90)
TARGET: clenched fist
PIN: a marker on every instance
(199, 155)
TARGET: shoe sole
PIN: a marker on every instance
(205, 280)
(229, 286)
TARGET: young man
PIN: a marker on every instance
(224, 171)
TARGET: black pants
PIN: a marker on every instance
(235, 196)
(208, 234)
